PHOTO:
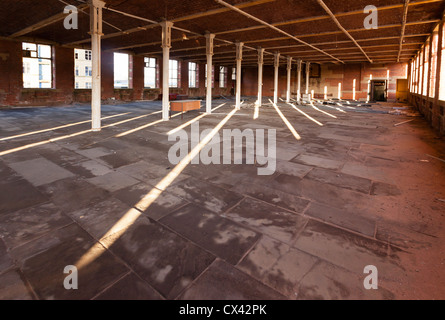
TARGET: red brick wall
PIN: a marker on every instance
(331, 76)
(249, 81)
(11, 81)
(107, 79)
(11, 78)
(63, 92)
(138, 77)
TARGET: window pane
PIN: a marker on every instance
(37, 72)
(152, 63)
(442, 71)
(44, 51)
(150, 78)
(29, 46)
(192, 75)
(121, 70)
(173, 73)
(83, 69)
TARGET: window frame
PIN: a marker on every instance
(38, 56)
(194, 71)
(147, 61)
(174, 76)
(128, 79)
(223, 77)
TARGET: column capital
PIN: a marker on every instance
(96, 3)
(276, 59)
(209, 42)
(96, 17)
(260, 55)
(209, 35)
(289, 63)
(166, 34)
(239, 50)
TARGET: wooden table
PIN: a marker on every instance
(185, 105)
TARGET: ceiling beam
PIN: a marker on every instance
(41, 24)
(338, 15)
(302, 54)
(220, 10)
(153, 24)
(308, 51)
(329, 12)
(321, 34)
(116, 34)
(402, 33)
(273, 27)
(203, 53)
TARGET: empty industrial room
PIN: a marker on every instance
(259, 150)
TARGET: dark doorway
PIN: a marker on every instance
(378, 90)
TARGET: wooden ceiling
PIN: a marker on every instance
(328, 31)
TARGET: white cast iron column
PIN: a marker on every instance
(166, 45)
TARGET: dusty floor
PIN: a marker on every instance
(356, 191)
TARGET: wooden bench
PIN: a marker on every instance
(185, 105)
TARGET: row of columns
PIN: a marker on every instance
(96, 7)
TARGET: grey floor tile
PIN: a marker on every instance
(218, 235)
(24, 225)
(224, 282)
(12, 287)
(166, 261)
(40, 171)
(130, 288)
(43, 264)
(270, 220)
(278, 265)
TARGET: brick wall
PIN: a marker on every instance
(12, 92)
(331, 76)
(11, 68)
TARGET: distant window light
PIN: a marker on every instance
(222, 77)
(37, 65)
(442, 71)
(150, 73)
(193, 75)
(121, 70)
(173, 80)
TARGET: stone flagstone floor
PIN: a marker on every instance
(353, 192)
